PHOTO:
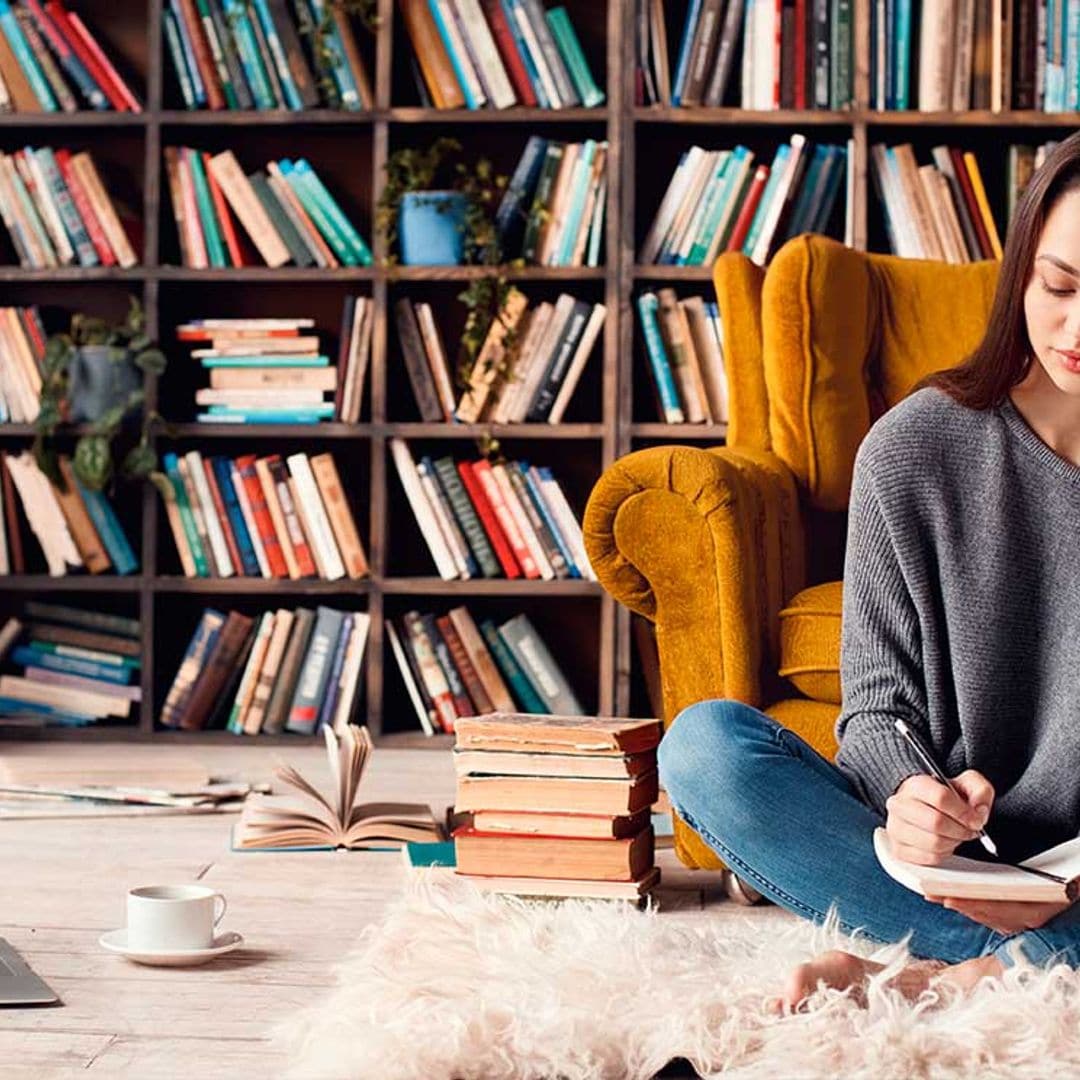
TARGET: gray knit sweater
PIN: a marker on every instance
(961, 613)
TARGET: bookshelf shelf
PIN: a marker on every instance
(267, 118)
(673, 273)
(659, 114)
(432, 586)
(511, 273)
(504, 431)
(256, 274)
(30, 583)
(244, 586)
(85, 119)
(271, 431)
(497, 116)
(17, 274)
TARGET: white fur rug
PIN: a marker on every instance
(457, 985)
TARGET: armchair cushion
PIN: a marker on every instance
(810, 642)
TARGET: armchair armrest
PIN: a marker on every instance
(709, 545)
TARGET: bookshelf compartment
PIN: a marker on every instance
(351, 457)
(588, 17)
(14, 605)
(341, 160)
(176, 620)
(573, 463)
(182, 302)
(449, 313)
(569, 629)
(122, 29)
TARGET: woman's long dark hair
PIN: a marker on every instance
(1002, 358)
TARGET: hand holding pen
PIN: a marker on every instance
(930, 815)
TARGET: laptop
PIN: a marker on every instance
(18, 984)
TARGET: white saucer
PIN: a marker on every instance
(116, 941)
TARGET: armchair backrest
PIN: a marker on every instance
(843, 336)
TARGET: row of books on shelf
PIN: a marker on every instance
(563, 801)
(269, 371)
(790, 55)
(552, 211)
(76, 666)
(230, 54)
(285, 211)
(940, 210)
(497, 53)
(51, 62)
(684, 343)
(530, 377)
(263, 517)
(57, 212)
(718, 200)
(453, 668)
(484, 519)
(22, 362)
(75, 526)
(284, 670)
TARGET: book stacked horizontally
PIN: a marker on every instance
(286, 212)
(261, 517)
(452, 668)
(47, 54)
(57, 212)
(273, 371)
(283, 670)
(75, 526)
(560, 805)
(77, 666)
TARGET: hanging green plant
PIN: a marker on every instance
(93, 374)
(319, 31)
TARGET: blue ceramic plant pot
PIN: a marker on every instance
(431, 228)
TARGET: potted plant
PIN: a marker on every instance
(93, 374)
(438, 209)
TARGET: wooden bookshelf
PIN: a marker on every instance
(610, 415)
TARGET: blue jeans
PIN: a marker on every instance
(787, 821)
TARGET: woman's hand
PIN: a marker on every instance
(927, 821)
(1005, 916)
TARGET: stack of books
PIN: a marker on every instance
(57, 212)
(452, 668)
(261, 517)
(480, 519)
(792, 56)
(552, 212)
(272, 371)
(684, 343)
(228, 54)
(561, 804)
(76, 665)
(286, 212)
(531, 379)
(22, 363)
(283, 670)
(937, 211)
(718, 201)
(497, 53)
(76, 527)
(48, 56)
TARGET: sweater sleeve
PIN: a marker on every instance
(881, 670)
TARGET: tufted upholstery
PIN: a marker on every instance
(736, 552)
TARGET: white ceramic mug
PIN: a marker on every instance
(165, 918)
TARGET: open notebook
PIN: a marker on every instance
(316, 821)
(973, 880)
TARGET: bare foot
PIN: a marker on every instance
(964, 976)
(841, 970)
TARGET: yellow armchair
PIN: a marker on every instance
(736, 552)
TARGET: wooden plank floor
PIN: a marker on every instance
(63, 884)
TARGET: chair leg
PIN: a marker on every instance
(741, 892)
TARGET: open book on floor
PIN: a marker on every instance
(974, 880)
(317, 821)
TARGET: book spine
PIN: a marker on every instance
(532, 654)
(108, 528)
(220, 664)
(9, 25)
(315, 672)
(214, 530)
(71, 64)
(198, 649)
(314, 513)
(431, 672)
(245, 550)
(172, 472)
(466, 516)
(332, 694)
(570, 50)
(260, 513)
(305, 562)
(463, 706)
(340, 517)
(522, 689)
(486, 512)
(287, 674)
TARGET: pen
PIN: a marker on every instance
(934, 769)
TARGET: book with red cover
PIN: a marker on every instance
(746, 213)
(508, 50)
(963, 177)
(305, 561)
(74, 38)
(260, 514)
(86, 209)
(504, 516)
(114, 82)
(204, 61)
(223, 515)
(484, 511)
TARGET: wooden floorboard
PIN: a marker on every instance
(63, 884)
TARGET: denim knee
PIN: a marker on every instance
(702, 740)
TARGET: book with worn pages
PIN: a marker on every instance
(320, 822)
(557, 734)
(970, 879)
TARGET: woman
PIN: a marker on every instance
(961, 614)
